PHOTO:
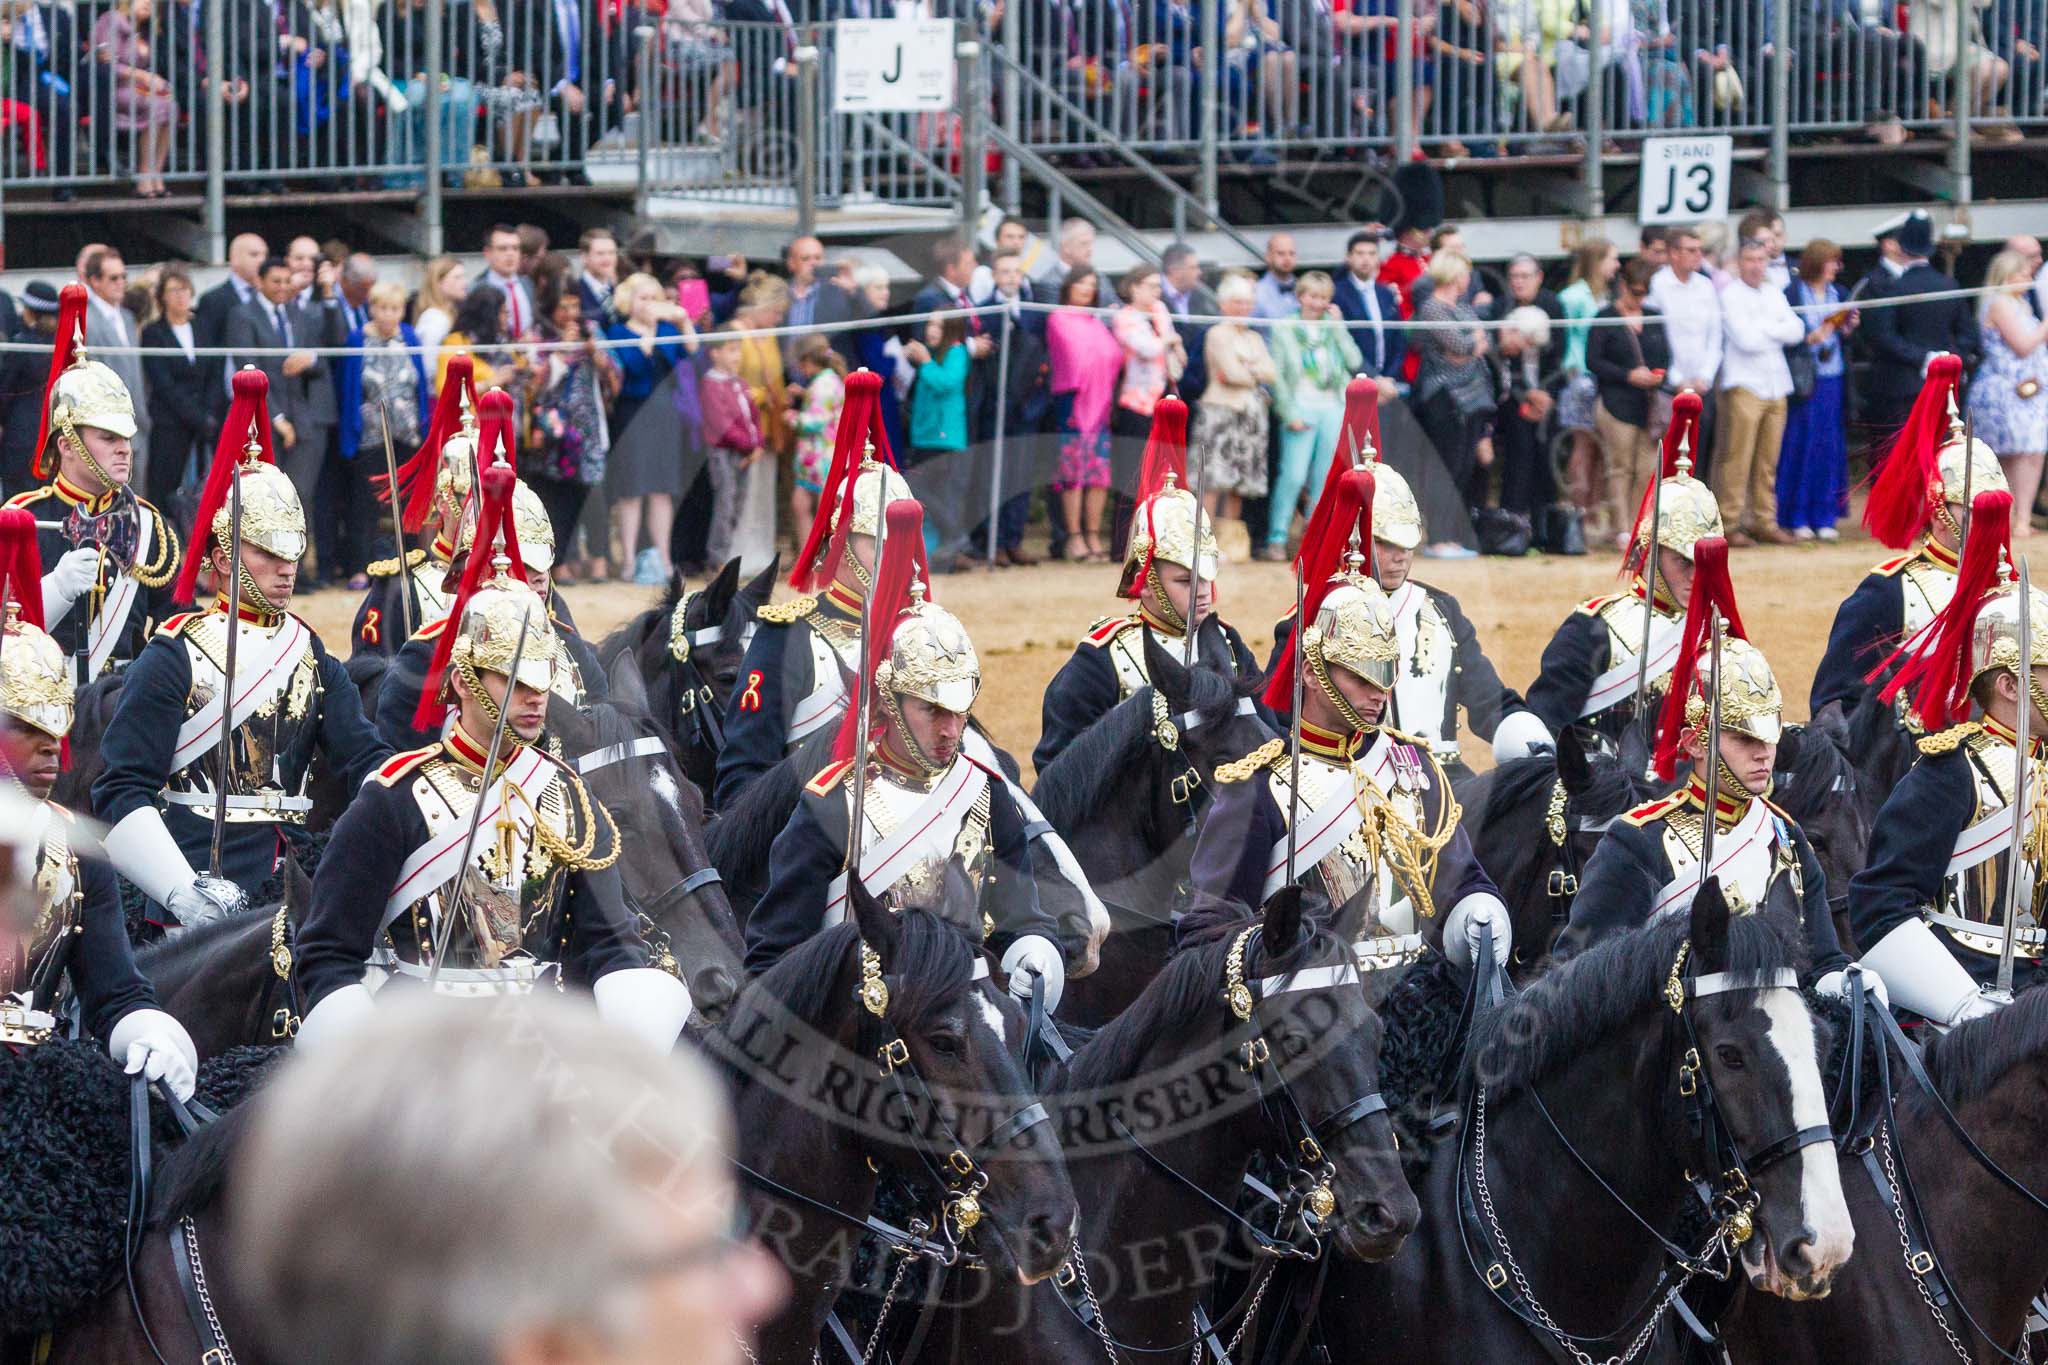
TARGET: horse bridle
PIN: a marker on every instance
(650, 746)
(694, 697)
(1562, 884)
(1729, 1199)
(1168, 730)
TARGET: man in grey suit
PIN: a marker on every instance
(109, 324)
(303, 408)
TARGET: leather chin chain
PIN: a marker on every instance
(860, 573)
(465, 673)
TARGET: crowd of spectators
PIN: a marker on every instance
(674, 412)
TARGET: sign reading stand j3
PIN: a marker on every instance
(1685, 179)
(893, 66)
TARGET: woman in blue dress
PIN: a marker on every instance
(1813, 461)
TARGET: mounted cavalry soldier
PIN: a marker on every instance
(1357, 807)
(73, 926)
(923, 800)
(1171, 558)
(414, 587)
(480, 865)
(232, 778)
(793, 681)
(578, 677)
(112, 555)
(1922, 493)
(1723, 716)
(1613, 648)
(1950, 870)
(1442, 668)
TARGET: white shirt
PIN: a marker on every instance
(1692, 323)
(1760, 324)
(183, 332)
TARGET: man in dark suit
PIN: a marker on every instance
(303, 409)
(569, 69)
(1027, 403)
(1374, 308)
(813, 300)
(599, 276)
(1901, 338)
(1185, 296)
(246, 254)
(954, 260)
(113, 334)
(22, 376)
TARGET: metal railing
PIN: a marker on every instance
(401, 95)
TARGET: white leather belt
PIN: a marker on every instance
(247, 809)
(518, 976)
(1391, 950)
(22, 1026)
(1989, 938)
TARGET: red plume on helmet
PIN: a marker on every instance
(902, 554)
(1711, 587)
(417, 475)
(249, 411)
(71, 304)
(1935, 662)
(1361, 429)
(859, 418)
(1320, 562)
(494, 520)
(21, 564)
(1166, 455)
(1684, 430)
(1902, 499)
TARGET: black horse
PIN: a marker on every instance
(227, 981)
(690, 670)
(1166, 1110)
(951, 1112)
(1127, 799)
(1573, 1164)
(1818, 785)
(1985, 1244)
(1534, 823)
(93, 709)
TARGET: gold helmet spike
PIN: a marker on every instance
(867, 504)
(1687, 511)
(1354, 627)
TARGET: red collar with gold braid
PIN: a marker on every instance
(470, 753)
(1728, 810)
(2000, 730)
(1335, 746)
(1939, 555)
(94, 504)
(1665, 601)
(838, 595)
(253, 615)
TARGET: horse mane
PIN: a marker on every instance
(1520, 782)
(1189, 986)
(740, 838)
(1095, 765)
(1818, 767)
(1969, 1059)
(1591, 997)
(193, 1177)
(198, 941)
(931, 966)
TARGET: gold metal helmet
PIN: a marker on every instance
(1354, 630)
(930, 657)
(1751, 702)
(1396, 516)
(35, 678)
(867, 504)
(487, 637)
(530, 516)
(1986, 474)
(1687, 512)
(272, 517)
(89, 394)
(1166, 527)
(457, 472)
(1995, 639)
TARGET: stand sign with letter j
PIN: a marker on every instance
(894, 66)
(1685, 179)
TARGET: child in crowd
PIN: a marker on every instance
(816, 419)
(732, 435)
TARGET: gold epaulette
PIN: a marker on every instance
(1655, 810)
(824, 782)
(166, 550)
(1894, 564)
(398, 765)
(384, 568)
(1107, 628)
(29, 495)
(1258, 758)
(1946, 741)
(178, 623)
(787, 613)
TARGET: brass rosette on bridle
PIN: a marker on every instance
(1751, 702)
(530, 515)
(35, 678)
(487, 637)
(272, 517)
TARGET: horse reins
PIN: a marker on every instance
(694, 696)
(184, 1236)
(1310, 1200)
(1730, 1199)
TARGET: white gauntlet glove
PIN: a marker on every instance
(70, 579)
(1473, 920)
(153, 1043)
(1035, 952)
(1521, 735)
(1836, 984)
(645, 1002)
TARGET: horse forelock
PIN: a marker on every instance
(1592, 998)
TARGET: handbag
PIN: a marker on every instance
(1501, 532)
(1805, 370)
(1563, 529)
